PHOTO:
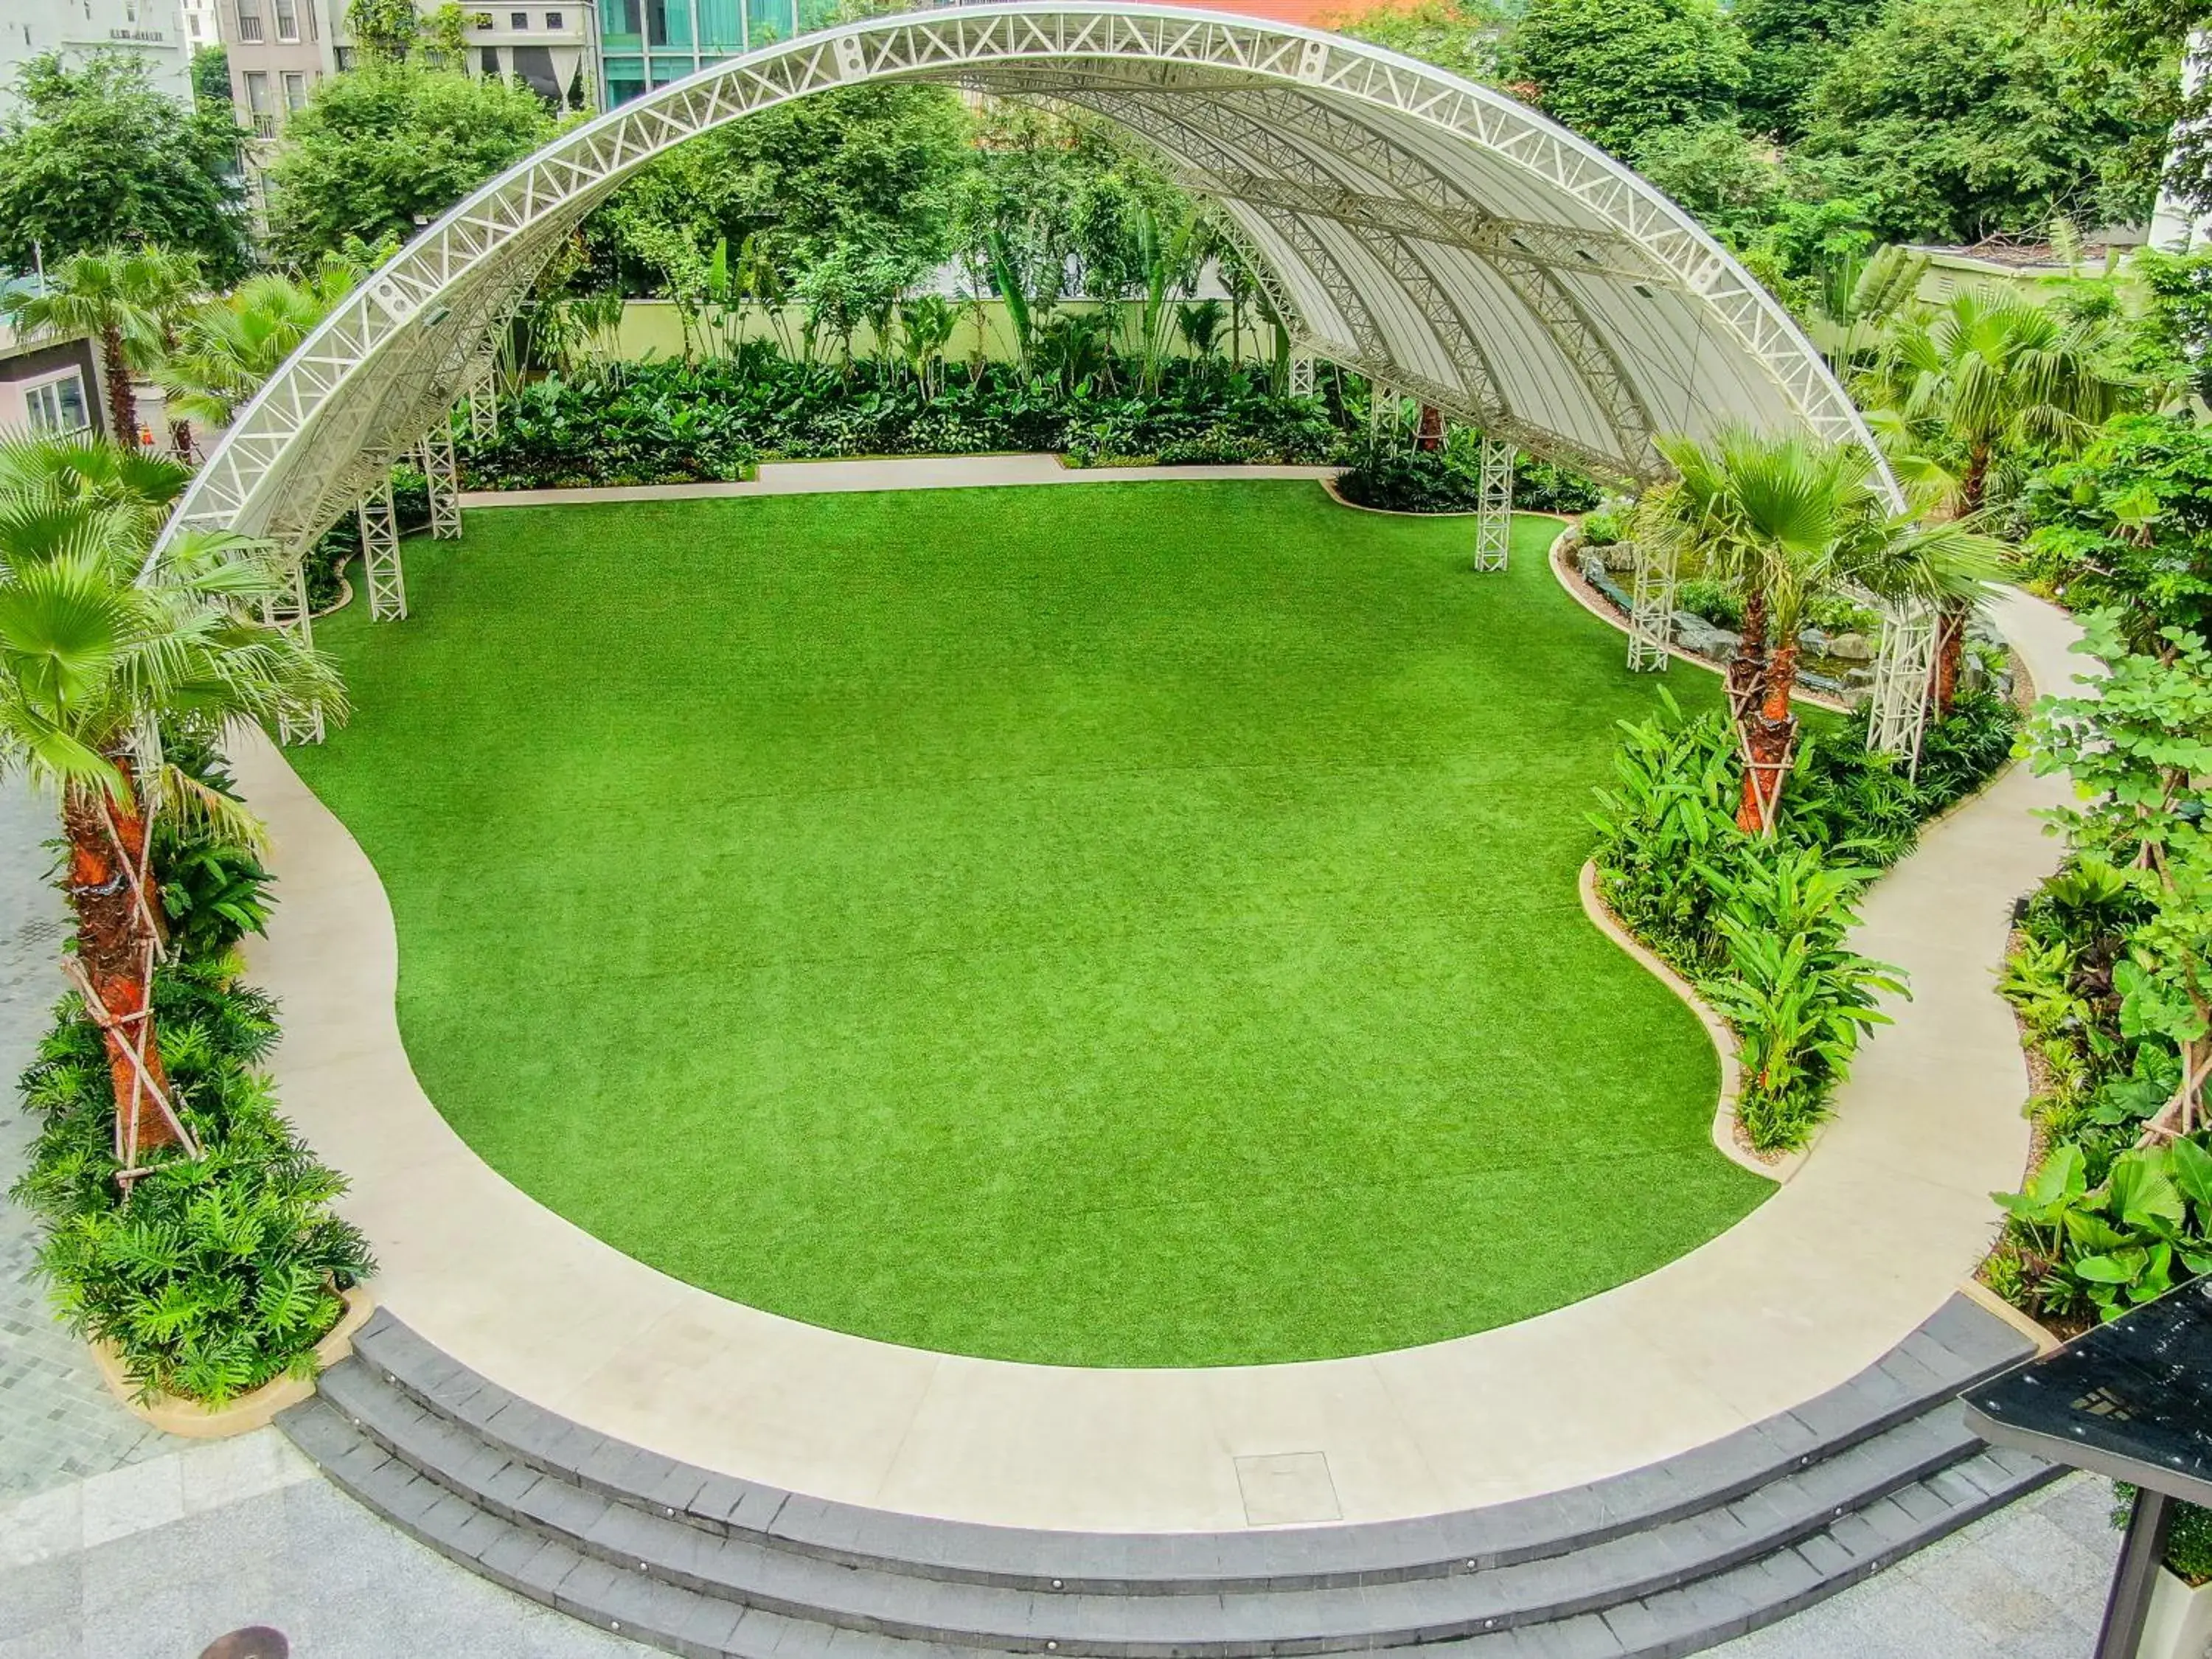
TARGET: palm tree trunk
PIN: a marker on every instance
(122, 405)
(1431, 433)
(1767, 739)
(1950, 653)
(113, 949)
(1747, 670)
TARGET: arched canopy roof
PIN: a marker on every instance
(1411, 226)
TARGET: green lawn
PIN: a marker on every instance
(1126, 925)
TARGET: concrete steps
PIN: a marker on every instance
(1664, 1560)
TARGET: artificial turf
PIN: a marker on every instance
(1118, 925)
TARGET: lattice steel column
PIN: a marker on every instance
(1302, 376)
(1493, 517)
(437, 450)
(1382, 410)
(379, 554)
(1898, 711)
(290, 614)
(1652, 609)
(483, 408)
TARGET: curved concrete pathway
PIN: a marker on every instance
(1885, 1219)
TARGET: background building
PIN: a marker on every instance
(151, 29)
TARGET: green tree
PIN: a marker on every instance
(110, 652)
(1963, 118)
(1464, 36)
(91, 157)
(1789, 43)
(867, 170)
(383, 31)
(226, 348)
(1970, 396)
(129, 299)
(1616, 69)
(1729, 180)
(1787, 522)
(2127, 525)
(211, 77)
(380, 147)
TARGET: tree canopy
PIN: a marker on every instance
(1616, 69)
(92, 156)
(385, 145)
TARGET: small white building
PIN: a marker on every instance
(153, 30)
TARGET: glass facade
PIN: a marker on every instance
(653, 42)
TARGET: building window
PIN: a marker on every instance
(518, 20)
(288, 20)
(259, 109)
(552, 19)
(295, 89)
(249, 21)
(58, 405)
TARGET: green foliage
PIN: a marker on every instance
(1760, 924)
(1617, 69)
(2132, 1236)
(93, 157)
(2127, 525)
(1397, 476)
(383, 31)
(211, 75)
(384, 145)
(1719, 172)
(1713, 599)
(1464, 36)
(1963, 119)
(855, 176)
(665, 421)
(1791, 44)
(221, 1272)
(214, 889)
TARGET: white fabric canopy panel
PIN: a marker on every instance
(1410, 225)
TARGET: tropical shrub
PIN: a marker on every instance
(2110, 975)
(222, 1272)
(215, 889)
(1398, 476)
(1759, 924)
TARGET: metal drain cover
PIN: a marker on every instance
(254, 1642)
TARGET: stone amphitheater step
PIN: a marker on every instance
(1663, 1560)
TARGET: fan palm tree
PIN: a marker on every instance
(224, 350)
(1786, 521)
(110, 648)
(130, 299)
(1968, 395)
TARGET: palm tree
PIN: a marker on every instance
(130, 299)
(1787, 520)
(110, 649)
(1968, 395)
(225, 349)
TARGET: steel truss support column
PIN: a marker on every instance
(1493, 517)
(1897, 710)
(1381, 411)
(1301, 375)
(483, 407)
(289, 615)
(1652, 609)
(379, 554)
(436, 451)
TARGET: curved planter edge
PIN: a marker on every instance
(174, 1414)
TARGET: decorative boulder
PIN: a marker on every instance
(1590, 565)
(1620, 556)
(1694, 634)
(1850, 648)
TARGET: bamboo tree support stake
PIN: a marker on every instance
(379, 554)
(439, 474)
(1493, 516)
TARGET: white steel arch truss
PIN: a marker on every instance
(1431, 233)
